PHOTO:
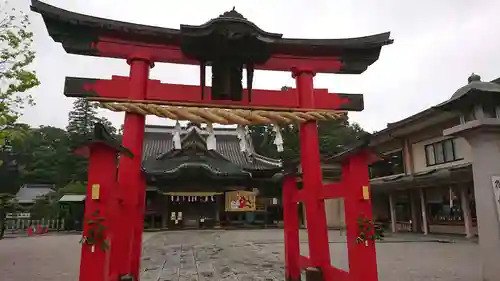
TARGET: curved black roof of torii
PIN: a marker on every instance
(356, 54)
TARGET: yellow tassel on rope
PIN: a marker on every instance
(222, 115)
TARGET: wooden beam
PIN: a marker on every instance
(333, 190)
(115, 48)
(117, 90)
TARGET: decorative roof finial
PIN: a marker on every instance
(232, 14)
(474, 78)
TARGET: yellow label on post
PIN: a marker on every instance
(366, 193)
(96, 191)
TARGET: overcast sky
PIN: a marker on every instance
(437, 46)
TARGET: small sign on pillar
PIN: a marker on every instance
(495, 182)
(96, 191)
(366, 192)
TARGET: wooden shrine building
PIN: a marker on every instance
(194, 186)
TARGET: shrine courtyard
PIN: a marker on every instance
(239, 255)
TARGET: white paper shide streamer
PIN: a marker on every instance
(451, 197)
(240, 130)
(177, 136)
(278, 139)
(211, 141)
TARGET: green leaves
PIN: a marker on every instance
(96, 232)
(16, 55)
(82, 117)
(7, 205)
(368, 231)
(81, 120)
(74, 187)
(333, 136)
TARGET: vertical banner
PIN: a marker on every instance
(495, 182)
(240, 201)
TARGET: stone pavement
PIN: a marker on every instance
(242, 255)
(258, 255)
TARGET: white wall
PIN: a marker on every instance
(462, 150)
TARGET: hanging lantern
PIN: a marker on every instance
(278, 139)
(177, 136)
(172, 198)
(211, 141)
(213, 199)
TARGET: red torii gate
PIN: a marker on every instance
(354, 189)
(230, 35)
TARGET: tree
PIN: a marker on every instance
(45, 157)
(16, 78)
(8, 204)
(9, 171)
(44, 207)
(16, 55)
(9, 178)
(82, 118)
(8, 184)
(81, 122)
(263, 140)
(336, 134)
(74, 187)
(333, 137)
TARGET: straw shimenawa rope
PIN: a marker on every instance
(221, 115)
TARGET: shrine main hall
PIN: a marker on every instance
(193, 175)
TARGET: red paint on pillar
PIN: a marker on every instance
(126, 252)
(312, 176)
(94, 263)
(362, 258)
(140, 70)
(291, 231)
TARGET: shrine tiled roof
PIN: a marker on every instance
(158, 141)
(28, 193)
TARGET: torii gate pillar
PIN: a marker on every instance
(126, 253)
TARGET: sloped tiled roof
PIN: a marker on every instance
(158, 140)
(73, 198)
(28, 193)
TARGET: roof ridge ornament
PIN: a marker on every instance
(474, 78)
(233, 14)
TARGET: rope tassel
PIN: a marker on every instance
(278, 138)
(177, 136)
(211, 141)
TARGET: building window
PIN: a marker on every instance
(444, 205)
(441, 152)
(490, 110)
(392, 164)
(470, 115)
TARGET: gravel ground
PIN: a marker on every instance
(237, 255)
